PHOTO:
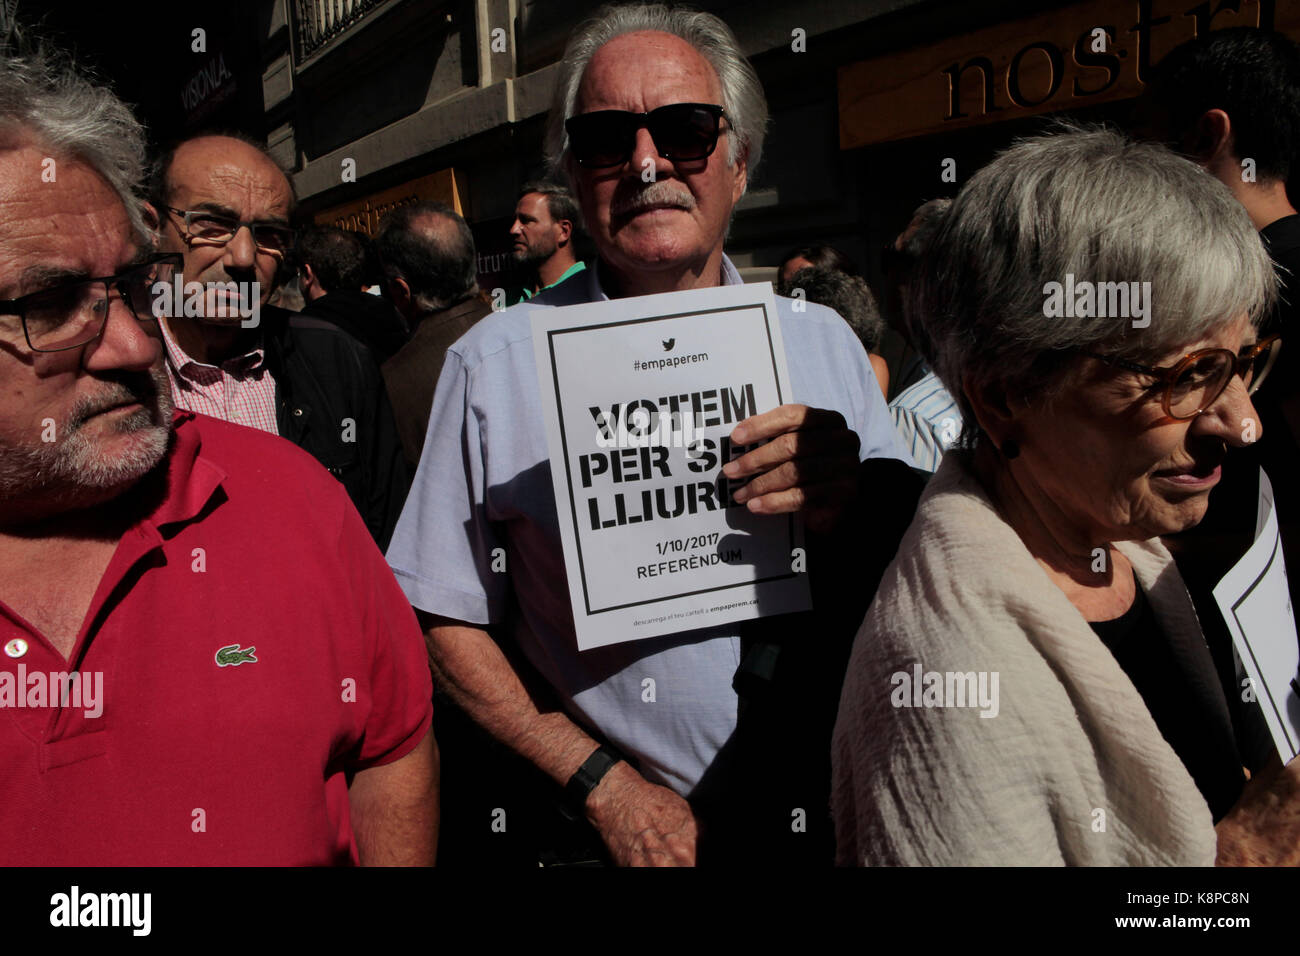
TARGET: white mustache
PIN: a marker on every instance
(661, 193)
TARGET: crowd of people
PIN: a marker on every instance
(376, 661)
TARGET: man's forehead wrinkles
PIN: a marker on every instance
(75, 229)
(642, 71)
(43, 274)
(237, 177)
(228, 186)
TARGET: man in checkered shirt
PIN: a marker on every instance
(224, 204)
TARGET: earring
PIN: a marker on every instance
(1010, 449)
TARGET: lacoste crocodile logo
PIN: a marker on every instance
(232, 655)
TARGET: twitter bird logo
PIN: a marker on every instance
(668, 346)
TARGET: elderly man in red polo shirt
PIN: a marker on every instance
(174, 689)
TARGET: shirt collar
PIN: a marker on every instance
(182, 364)
(572, 270)
(190, 481)
(441, 316)
(730, 276)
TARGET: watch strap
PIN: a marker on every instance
(586, 777)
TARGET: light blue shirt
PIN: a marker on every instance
(928, 420)
(483, 496)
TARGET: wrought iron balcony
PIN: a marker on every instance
(319, 21)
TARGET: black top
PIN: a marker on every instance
(1206, 552)
(370, 319)
(1178, 683)
(1278, 399)
(330, 401)
(788, 691)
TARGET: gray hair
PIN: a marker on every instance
(1087, 202)
(742, 93)
(45, 99)
(848, 295)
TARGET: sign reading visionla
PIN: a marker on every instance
(640, 397)
(1082, 55)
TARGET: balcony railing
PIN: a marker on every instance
(320, 21)
(9, 32)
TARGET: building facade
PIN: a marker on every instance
(876, 105)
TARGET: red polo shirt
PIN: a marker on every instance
(205, 756)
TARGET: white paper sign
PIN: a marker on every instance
(640, 396)
(1256, 604)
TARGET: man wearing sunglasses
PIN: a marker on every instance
(223, 204)
(658, 148)
(205, 660)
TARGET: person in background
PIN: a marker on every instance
(925, 414)
(426, 253)
(1033, 589)
(543, 234)
(223, 204)
(1230, 102)
(818, 255)
(332, 267)
(851, 297)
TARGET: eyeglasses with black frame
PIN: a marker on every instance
(682, 133)
(73, 313)
(217, 229)
(1196, 381)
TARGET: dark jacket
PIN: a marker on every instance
(792, 667)
(412, 374)
(370, 319)
(330, 402)
(1208, 550)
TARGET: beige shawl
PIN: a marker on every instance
(1072, 770)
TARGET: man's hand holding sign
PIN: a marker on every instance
(809, 463)
(657, 537)
(658, 368)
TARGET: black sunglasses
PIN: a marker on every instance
(683, 133)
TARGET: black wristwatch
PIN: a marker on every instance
(586, 777)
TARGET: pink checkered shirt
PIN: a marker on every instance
(241, 390)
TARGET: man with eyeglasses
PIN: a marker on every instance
(205, 659)
(657, 122)
(223, 204)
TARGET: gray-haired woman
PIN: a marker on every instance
(1030, 685)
